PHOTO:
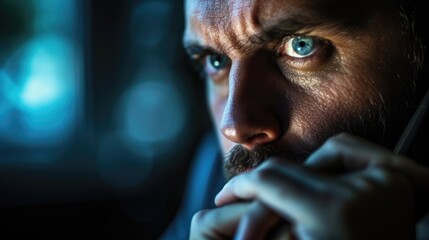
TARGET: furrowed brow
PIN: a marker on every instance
(194, 49)
(291, 25)
(281, 28)
(276, 30)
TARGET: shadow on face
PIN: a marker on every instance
(289, 74)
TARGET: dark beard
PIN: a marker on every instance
(240, 160)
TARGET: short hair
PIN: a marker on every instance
(415, 16)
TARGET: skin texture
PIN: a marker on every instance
(272, 109)
(295, 104)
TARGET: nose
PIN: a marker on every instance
(251, 116)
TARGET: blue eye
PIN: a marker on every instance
(303, 45)
(300, 47)
(217, 61)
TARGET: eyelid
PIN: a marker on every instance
(198, 52)
(324, 50)
(288, 48)
(199, 57)
(319, 44)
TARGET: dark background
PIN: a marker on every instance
(56, 190)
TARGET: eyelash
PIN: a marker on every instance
(323, 50)
(196, 55)
(199, 56)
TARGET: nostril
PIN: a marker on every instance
(251, 135)
(258, 138)
(237, 134)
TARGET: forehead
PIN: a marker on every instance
(219, 9)
(209, 20)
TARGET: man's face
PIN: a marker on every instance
(284, 75)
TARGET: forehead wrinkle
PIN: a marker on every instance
(229, 26)
(244, 24)
(240, 26)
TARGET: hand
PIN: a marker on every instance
(222, 223)
(349, 189)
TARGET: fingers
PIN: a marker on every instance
(374, 182)
(241, 221)
(257, 222)
(288, 189)
(220, 223)
(393, 195)
(273, 170)
(347, 153)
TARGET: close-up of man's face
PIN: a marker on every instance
(284, 75)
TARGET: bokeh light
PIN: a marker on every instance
(41, 90)
(40, 76)
(7, 91)
(153, 112)
(151, 120)
(95, 116)
(149, 22)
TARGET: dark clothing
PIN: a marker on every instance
(205, 181)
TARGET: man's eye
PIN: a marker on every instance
(301, 47)
(216, 62)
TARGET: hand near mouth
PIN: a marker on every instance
(348, 189)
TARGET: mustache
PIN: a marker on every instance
(239, 159)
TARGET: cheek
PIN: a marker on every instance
(217, 97)
(341, 98)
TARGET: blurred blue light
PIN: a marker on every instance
(149, 22)
(154, 112)
(54, 15)
(42, 87)
(7, 89)
(42, 91)
(153, 116)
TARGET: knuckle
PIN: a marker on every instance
(343, 196)
(398, 161)
(347, 203)
(199, 218)
(337, 142)
(264, 174)
(392, 179)
(382, 175)
(202, 225)
(270, 163)
(363, 184)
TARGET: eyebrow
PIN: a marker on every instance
(278, 29)
(281, 28)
